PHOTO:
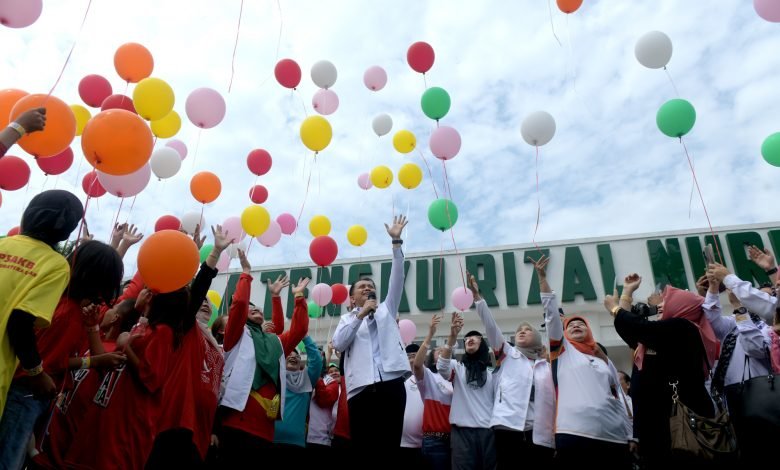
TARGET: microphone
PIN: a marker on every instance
(371, 296)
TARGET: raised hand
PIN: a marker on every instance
(399, 222)
(302, 283)
(611, 301)
(456, 325)
(90, 315)
(540, 266)
(143, 301)
(245, 266)
(717, 272)
(221, 239)
(116, 234)
(763, 259)
(32, 120)
(702, 284)
(631, 283)
(268, 327)
(276, 287)
(473, 285)
(132, 235)
(435, 320)
(199, 241)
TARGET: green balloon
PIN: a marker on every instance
(770, 149)
(205, 251)
(442, 214)
(314, 310)
(435, 102)
(676, 117)
(214, 315)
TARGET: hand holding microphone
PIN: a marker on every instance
(369, 307)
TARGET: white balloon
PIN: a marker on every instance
(538, 128)
(190, 220)
(165, 162)
(382, 124)
(234, 247)
(653, 50)
(324, 74)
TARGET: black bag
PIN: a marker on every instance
(755, 401)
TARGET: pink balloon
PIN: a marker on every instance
(126, 185)
(445, 142)
(408, 330)
(325, 102)
(287, 223)
(364, 181)
(321, 294)
(272, 234)
(57, 164)
(224, 261)
(232, 225)
(205, 107)
(768, 10)
(462, 298)
(375, 78)
(118, 102)
(19, 13)
(179, 146)
(94, 89)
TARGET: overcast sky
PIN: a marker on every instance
(608, 170)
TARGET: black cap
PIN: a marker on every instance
(473, 333)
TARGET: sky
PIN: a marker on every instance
(608, 170)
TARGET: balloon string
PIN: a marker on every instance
(303, 103)
(132, 204)
(252, 192)
(571, 56)
(305, 196)
(425, 81)
(278, 43)
(671, 80)
(441, 266)
(430, 174)
(235, 47)
(72, 47)
(538, 202)
(452, 231)
(690, 198)
(118, 211)
(706, 214)
(197, 147)
(249, 246)
(447, 187)
(552, 26)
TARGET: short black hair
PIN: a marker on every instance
(96, 271)
(364, 278)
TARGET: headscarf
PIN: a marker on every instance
(268, 350)
(298, 381)
(534, 351)
(476, 364)
(51, 216)
(588, 345)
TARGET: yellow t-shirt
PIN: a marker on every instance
(32, 278)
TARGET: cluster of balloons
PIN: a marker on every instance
(409, 176)
(324, 74)
(323, 294)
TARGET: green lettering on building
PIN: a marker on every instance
(744, 268)
(486, 279)
(576, 279)
(266, 276)
(356, 271)
(667, 263)
(696, 253)
(386, 268)
(774, 239)
(534, 297)
(607, 268)
(510, 279)
(296, 275)
(428, 301)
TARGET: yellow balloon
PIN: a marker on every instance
(404, 141)
(168, 126)
(319, 225)
(357, 235)
(410, 175)
(255, 220)
(82, 116)
(381, 176)
(153, 99)
(214, 298)
(316, 133)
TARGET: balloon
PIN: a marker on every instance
(272, 234)
(288, 73)
(323, 250)
(192, 219)
(404, 141)
(133, 62)
(57, 164)
(321, 294)
(259, 161)
(117, 142)
(232, 226)
(179, 146)
(314, 310)
(287, 223)
(442, 214)
(569, 6)
(14, 231)
(165, 162)
(325, 102)
(319, 225)
(340, 294)
(462, 298)
(168, 126)
(60, 125)
(223, 262)
(538, 128)
(357, 235)
(153, 98)
(8, 99)
(445, 142)
(167, 222)
(167, 261)
(205, 187)
(375, 78)
(381, 176)
(82, 115)
(126, 185)
(768, 10)
(364, 181)
(382, 124)
(205, 251)
(435, 102)
(324, 74)
(676, 117)
(205, 107)
(255, 220)
(118, 102)
(770, 149)
(91, 185)
(410, 175)
(14, 173)
(214, 297)
(20, 13)
(408, 330)
(420, 57)
(316, 133)
(258, 194)
(94, 89)
(653, 50)
(233, 249)
(213, 317)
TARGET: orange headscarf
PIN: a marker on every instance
(588, 345)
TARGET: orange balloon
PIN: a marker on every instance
(205, 187)
(133, 62)
(569, 6)
(167, 261)
(117, 142)
(8, 99)
(60, 125)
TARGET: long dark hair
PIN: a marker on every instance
(96, 271)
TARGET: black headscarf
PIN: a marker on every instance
(476, 364)
(51, 216)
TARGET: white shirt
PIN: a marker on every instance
(471, 407)
(413, 416)
(754, 300)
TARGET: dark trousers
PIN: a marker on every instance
(376, 420)
(473, 448)
(573, 451)
(241, 449)
(510, 444)
(436, 452)
(174, 449)
(318, 455)
(292, 455)
(412, 458)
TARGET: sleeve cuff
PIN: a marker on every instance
(730, 281)
(246, 276)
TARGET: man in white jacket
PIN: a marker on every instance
(375, 361)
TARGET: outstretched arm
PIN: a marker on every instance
(299, 325)
(419, 358)
(491, 327)
(395, 289)
(277, 313)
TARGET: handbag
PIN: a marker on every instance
(755, 401)
(697, 436)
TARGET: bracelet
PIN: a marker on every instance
(37, 370)
(614, 310)
(627, 297)
(397, 242)
(769, 272)
(93, 328)
(85, 362)
(18, 128)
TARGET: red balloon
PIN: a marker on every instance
(56, 165)
(259, 161)
(14, 231)
(94, 89)
(569, 6)
(167, 222)
(288, 73)
(91, 185)
(323, 250)
(118, 102)
(340, 293)
(14, 173)
(258, 194)
(420, 56)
